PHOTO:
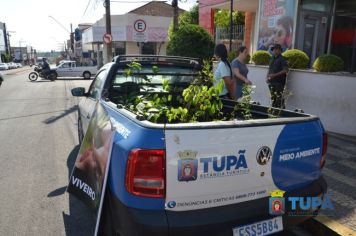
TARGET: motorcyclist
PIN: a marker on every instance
(45, 67)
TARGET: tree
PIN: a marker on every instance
(191, 41)
(190, 17)
(222, 18)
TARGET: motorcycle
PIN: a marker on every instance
(51, 74)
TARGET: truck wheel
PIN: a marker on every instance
(86, 75)
(106, 224)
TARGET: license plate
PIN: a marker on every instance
(261, 228)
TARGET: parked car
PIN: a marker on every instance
(4, 66)
(71, 69)
(12, 65)
(198, 178)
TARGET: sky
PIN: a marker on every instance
(45, 24)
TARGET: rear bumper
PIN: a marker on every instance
(211, 221)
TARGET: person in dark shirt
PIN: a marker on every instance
(276, 77)
(45, 67)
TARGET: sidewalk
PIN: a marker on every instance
(340, 174)
(15, 71)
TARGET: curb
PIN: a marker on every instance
(322, 225)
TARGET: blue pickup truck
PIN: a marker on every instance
(200, 178)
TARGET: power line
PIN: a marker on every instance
(86, 7)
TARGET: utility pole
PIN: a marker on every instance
(175, 15)
(108, 29)
(71, 38)
(231, 10)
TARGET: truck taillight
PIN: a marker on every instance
(323, 154)
(145, 173)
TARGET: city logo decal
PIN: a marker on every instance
(276, 203)
(187, 165)
(263, 156)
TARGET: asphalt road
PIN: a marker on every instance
(38, 147)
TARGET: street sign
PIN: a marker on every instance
(107, 38)
(140, 26)
(140, 33)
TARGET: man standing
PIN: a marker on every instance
(276, 77)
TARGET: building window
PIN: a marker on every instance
(120, 48)
(317, 5)
(149, 48)
(344, 33)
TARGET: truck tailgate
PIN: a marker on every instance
(220, 166)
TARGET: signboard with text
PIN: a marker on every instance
(140, 32)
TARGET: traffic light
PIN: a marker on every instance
(77, 34)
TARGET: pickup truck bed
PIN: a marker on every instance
(202, 178)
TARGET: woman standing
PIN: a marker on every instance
(240, 70)
(224, 72)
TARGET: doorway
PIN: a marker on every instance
(312, 37)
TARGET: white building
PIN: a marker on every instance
(141, 31)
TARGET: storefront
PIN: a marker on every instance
(314, 26)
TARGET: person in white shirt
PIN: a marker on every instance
(224, 72)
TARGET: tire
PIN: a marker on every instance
(86, 75)
(106, 225)
(33, 76)
(80, 129)
(53, 76)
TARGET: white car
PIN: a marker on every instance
(71, 69)
(12, 65)
(4, 66)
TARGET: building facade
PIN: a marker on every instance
(141, 31)
(314, 26)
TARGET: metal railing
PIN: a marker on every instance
(223, 33)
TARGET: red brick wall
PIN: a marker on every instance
(249, 16)
(206, 13)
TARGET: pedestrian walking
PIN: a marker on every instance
(240, 70)
(276, 77)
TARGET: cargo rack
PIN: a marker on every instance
(159, 59)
